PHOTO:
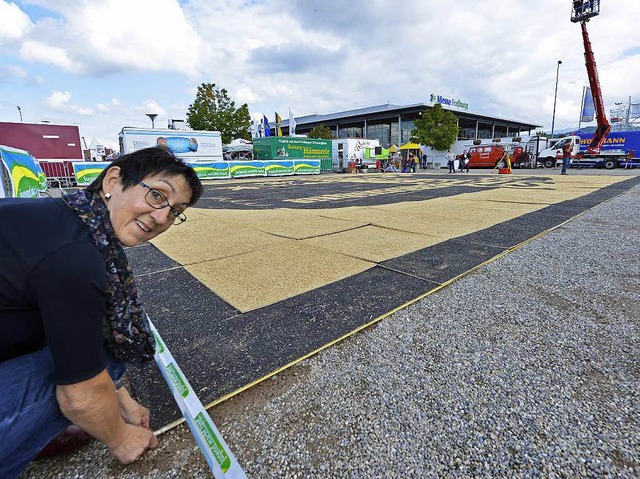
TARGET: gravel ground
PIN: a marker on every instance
(528, 367)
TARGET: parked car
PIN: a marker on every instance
(489, 156)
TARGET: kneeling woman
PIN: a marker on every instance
(70, 317)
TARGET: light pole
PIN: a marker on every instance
(20, 111)
(152, 117)
(555, 97)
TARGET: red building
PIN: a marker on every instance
(43, 140)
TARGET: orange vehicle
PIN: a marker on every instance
(489, 156)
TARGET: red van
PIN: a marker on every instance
(488, 156)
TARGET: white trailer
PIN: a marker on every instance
(193, 146)
(348, 150)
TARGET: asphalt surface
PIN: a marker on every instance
(222, 349)
(317, 419)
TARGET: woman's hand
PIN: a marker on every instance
(131, 411)
(134, 443)
(110, 416)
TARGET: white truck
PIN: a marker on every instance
(193, 146)
(606, 158)
(350, 150)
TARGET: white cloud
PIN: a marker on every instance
(15, 24)
(150, 106)
(59, 100)
(13, 72)
(82, 110)
(110, 36)
(101, 107)
(36, 51)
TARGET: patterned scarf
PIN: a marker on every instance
(125, 326)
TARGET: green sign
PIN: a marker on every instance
(307, 166)
(277, 168)
(291, 148)
(87, 172)
(246, 168)
(218, 169)
(26, 178)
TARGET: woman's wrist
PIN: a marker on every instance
(119, 383)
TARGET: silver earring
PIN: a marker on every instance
(107, 196)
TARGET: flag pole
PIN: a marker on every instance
(584, 94)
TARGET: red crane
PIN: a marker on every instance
(581, 12)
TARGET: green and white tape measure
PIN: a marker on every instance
(222, 462)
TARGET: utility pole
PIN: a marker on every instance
(555, 97)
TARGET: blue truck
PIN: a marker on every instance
(619, 149)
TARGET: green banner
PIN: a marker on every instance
(246, 168)
(278, 168)
(87, 172)
(218, 169)
(291, 148)
(26, 178)
(307, 167)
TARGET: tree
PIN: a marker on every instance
(436, 128)
(321, 132)
(214, 110)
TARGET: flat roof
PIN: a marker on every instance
(388, 109)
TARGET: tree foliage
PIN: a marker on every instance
(214, 110)
(321, 132)
(436, 128)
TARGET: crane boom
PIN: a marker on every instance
(603, 124)
(582, 11)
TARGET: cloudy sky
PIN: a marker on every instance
(103, 64)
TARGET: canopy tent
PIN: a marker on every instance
(239, 151)
(393, 148)
(236, 148)
(239, 142)
(410, 146)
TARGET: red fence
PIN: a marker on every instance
(58, 172)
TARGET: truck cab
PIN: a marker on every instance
(552, 155)
(607, 158)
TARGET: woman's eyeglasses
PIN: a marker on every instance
(156, 199)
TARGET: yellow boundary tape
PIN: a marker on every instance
(386, 315)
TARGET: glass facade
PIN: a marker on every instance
(500, 131)
(484, 130)
(395, 135)
(466, 129)
(380, 132)
(407, 127)
(350, 132)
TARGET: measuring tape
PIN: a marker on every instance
(222, 462)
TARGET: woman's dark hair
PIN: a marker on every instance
(151, 161)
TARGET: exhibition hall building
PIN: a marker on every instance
(392, 124)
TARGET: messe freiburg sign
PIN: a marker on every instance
(448, 101)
